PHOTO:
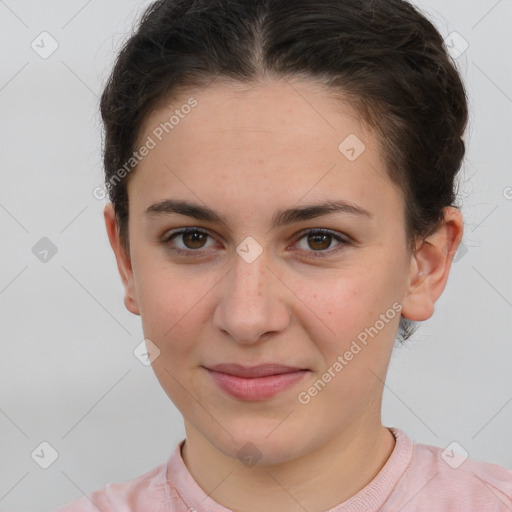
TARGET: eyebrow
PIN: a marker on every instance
(280, 218)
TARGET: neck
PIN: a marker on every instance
(318, 481)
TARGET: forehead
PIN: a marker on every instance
(263, 143)
(240, 113)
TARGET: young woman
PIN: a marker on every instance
(281, 177)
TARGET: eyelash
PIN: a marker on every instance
(316, 254)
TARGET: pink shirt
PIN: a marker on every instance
(416, 477)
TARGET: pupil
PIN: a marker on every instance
(319, 239)
(196, 237)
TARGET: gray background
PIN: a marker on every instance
(67, 372)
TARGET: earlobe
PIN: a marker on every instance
(430, 267)
(123, 260)
(131, 305)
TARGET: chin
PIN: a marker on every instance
(263, 446)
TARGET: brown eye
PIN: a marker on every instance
(317, 242)
(194, 239)
(186, 241)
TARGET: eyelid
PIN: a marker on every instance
(340, 237)
(182, 231)
(336, 234)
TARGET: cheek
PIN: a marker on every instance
(173, 317)
(347, 302)
(347, 319)
(173, 305)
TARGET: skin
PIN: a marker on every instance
(247, 151)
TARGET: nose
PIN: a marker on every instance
(252, 301)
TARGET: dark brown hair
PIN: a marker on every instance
(383, 55)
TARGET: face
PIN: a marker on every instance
(248, 284)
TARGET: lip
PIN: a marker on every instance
(255, 382)
(261, 370)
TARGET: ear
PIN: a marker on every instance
(430, 266)
(123, 259)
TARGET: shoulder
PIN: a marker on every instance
(442, 479)
(146, 490)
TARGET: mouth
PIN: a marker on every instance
(255, 382)
(262, 370)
